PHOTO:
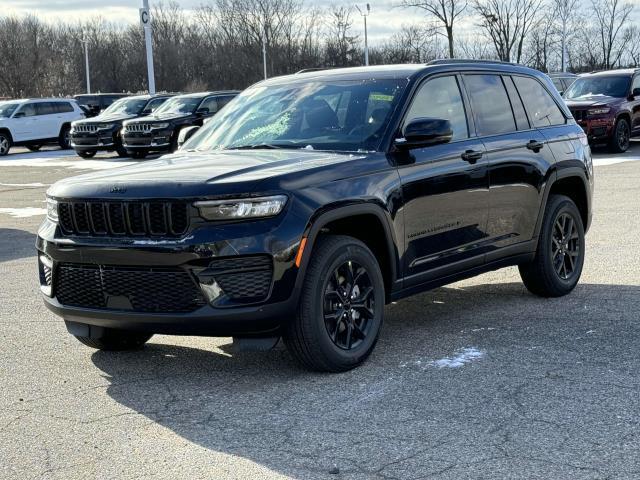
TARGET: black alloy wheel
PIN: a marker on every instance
(349, 305)
(565, 246)
(621, 136)
(5, 144)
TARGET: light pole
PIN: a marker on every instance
(85, 43)
(366, 43)
(145, 20)
(264, 50)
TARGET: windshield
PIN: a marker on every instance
(610, 86)
(126, 106)
(179, 105)
(7, 109)
(320, 115)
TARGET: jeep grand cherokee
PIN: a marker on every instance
(313, 200)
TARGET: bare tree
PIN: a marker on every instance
(445, 11)
(611, 17)
(564, 11)
(507, 23)
(341, 46)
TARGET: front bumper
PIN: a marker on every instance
(93, 141)
(597, 129)
(219, 315)
(153, 141)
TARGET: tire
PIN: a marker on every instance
(122, 152)
(620, 138)
(5, 144)
(116, 340)
(138, 154)
(557, 265)
(64, 140)
(34, 148)
(86, 153)
(324, 336)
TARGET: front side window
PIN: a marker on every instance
(154, 104)
(598, 86)
(7, 109)
(543, 110)
(28, 109)
(336, 115)
(441, 98)
(491, 106)
(636, 83)
(211, 104)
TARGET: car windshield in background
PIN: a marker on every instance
(126, 106)
(605, 86)
(7, 109)
(319, 115)
(184, 105)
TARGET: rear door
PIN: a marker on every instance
(445, 190)
(517, 160)
(47, 120)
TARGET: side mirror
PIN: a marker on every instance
(636, 92)
(147, 111)
(202, 111)
(18, 115)
(186, 133)
(422, 132)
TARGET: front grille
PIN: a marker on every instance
(138, 289)
(82, 128)
(138, 127)
(243, 278)
(123, 218)
(578, 114)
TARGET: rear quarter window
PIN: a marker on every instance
(541, 107)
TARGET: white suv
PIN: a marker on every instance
(35, 122)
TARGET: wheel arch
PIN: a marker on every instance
(367, 222)
(8, 132)
(63, 126)
(573, 183)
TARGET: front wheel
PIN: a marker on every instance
(5, 144)
(557, 266)
(621, 138)
(116, 340)
(340, 311)
(87, 153)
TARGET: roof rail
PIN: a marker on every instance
(451, 61)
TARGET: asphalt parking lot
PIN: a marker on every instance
(479, 379)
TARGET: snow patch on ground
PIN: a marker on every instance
(23, 185)
(604, 161)
(24, 212)
(461, 358)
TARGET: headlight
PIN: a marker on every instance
(598, 111)
(241, 208)
(158, 126)
(104, 126)
(52, 210)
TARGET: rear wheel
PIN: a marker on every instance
(116, 340)
(621, 138)
(557, 266)
(340, 312)
(87, 153)
(5, 144)
(64, 140)
(34, 148)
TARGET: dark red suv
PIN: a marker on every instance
(607, 106)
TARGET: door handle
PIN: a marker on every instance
(535, 145)
(471, 156)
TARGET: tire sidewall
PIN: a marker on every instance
(564, 205)
(65, 139)
(8, 140)
(358, 253)
(621, 123)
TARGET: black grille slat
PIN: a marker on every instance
(80, 218)
(160, 218)
(144, 289)
(98, 218)
(157, 219)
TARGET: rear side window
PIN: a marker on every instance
(62, 107)
(543, 110)
(45, 108)
(440, 98)
(491, 106)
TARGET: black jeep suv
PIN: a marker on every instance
(103, 132)
(159, 132)
(313, 200)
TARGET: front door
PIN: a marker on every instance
(445, 189)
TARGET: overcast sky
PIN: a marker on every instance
(385, 19)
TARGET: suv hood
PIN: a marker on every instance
(119, 117)
(593, 100)
(198, 174)
(161, 117)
